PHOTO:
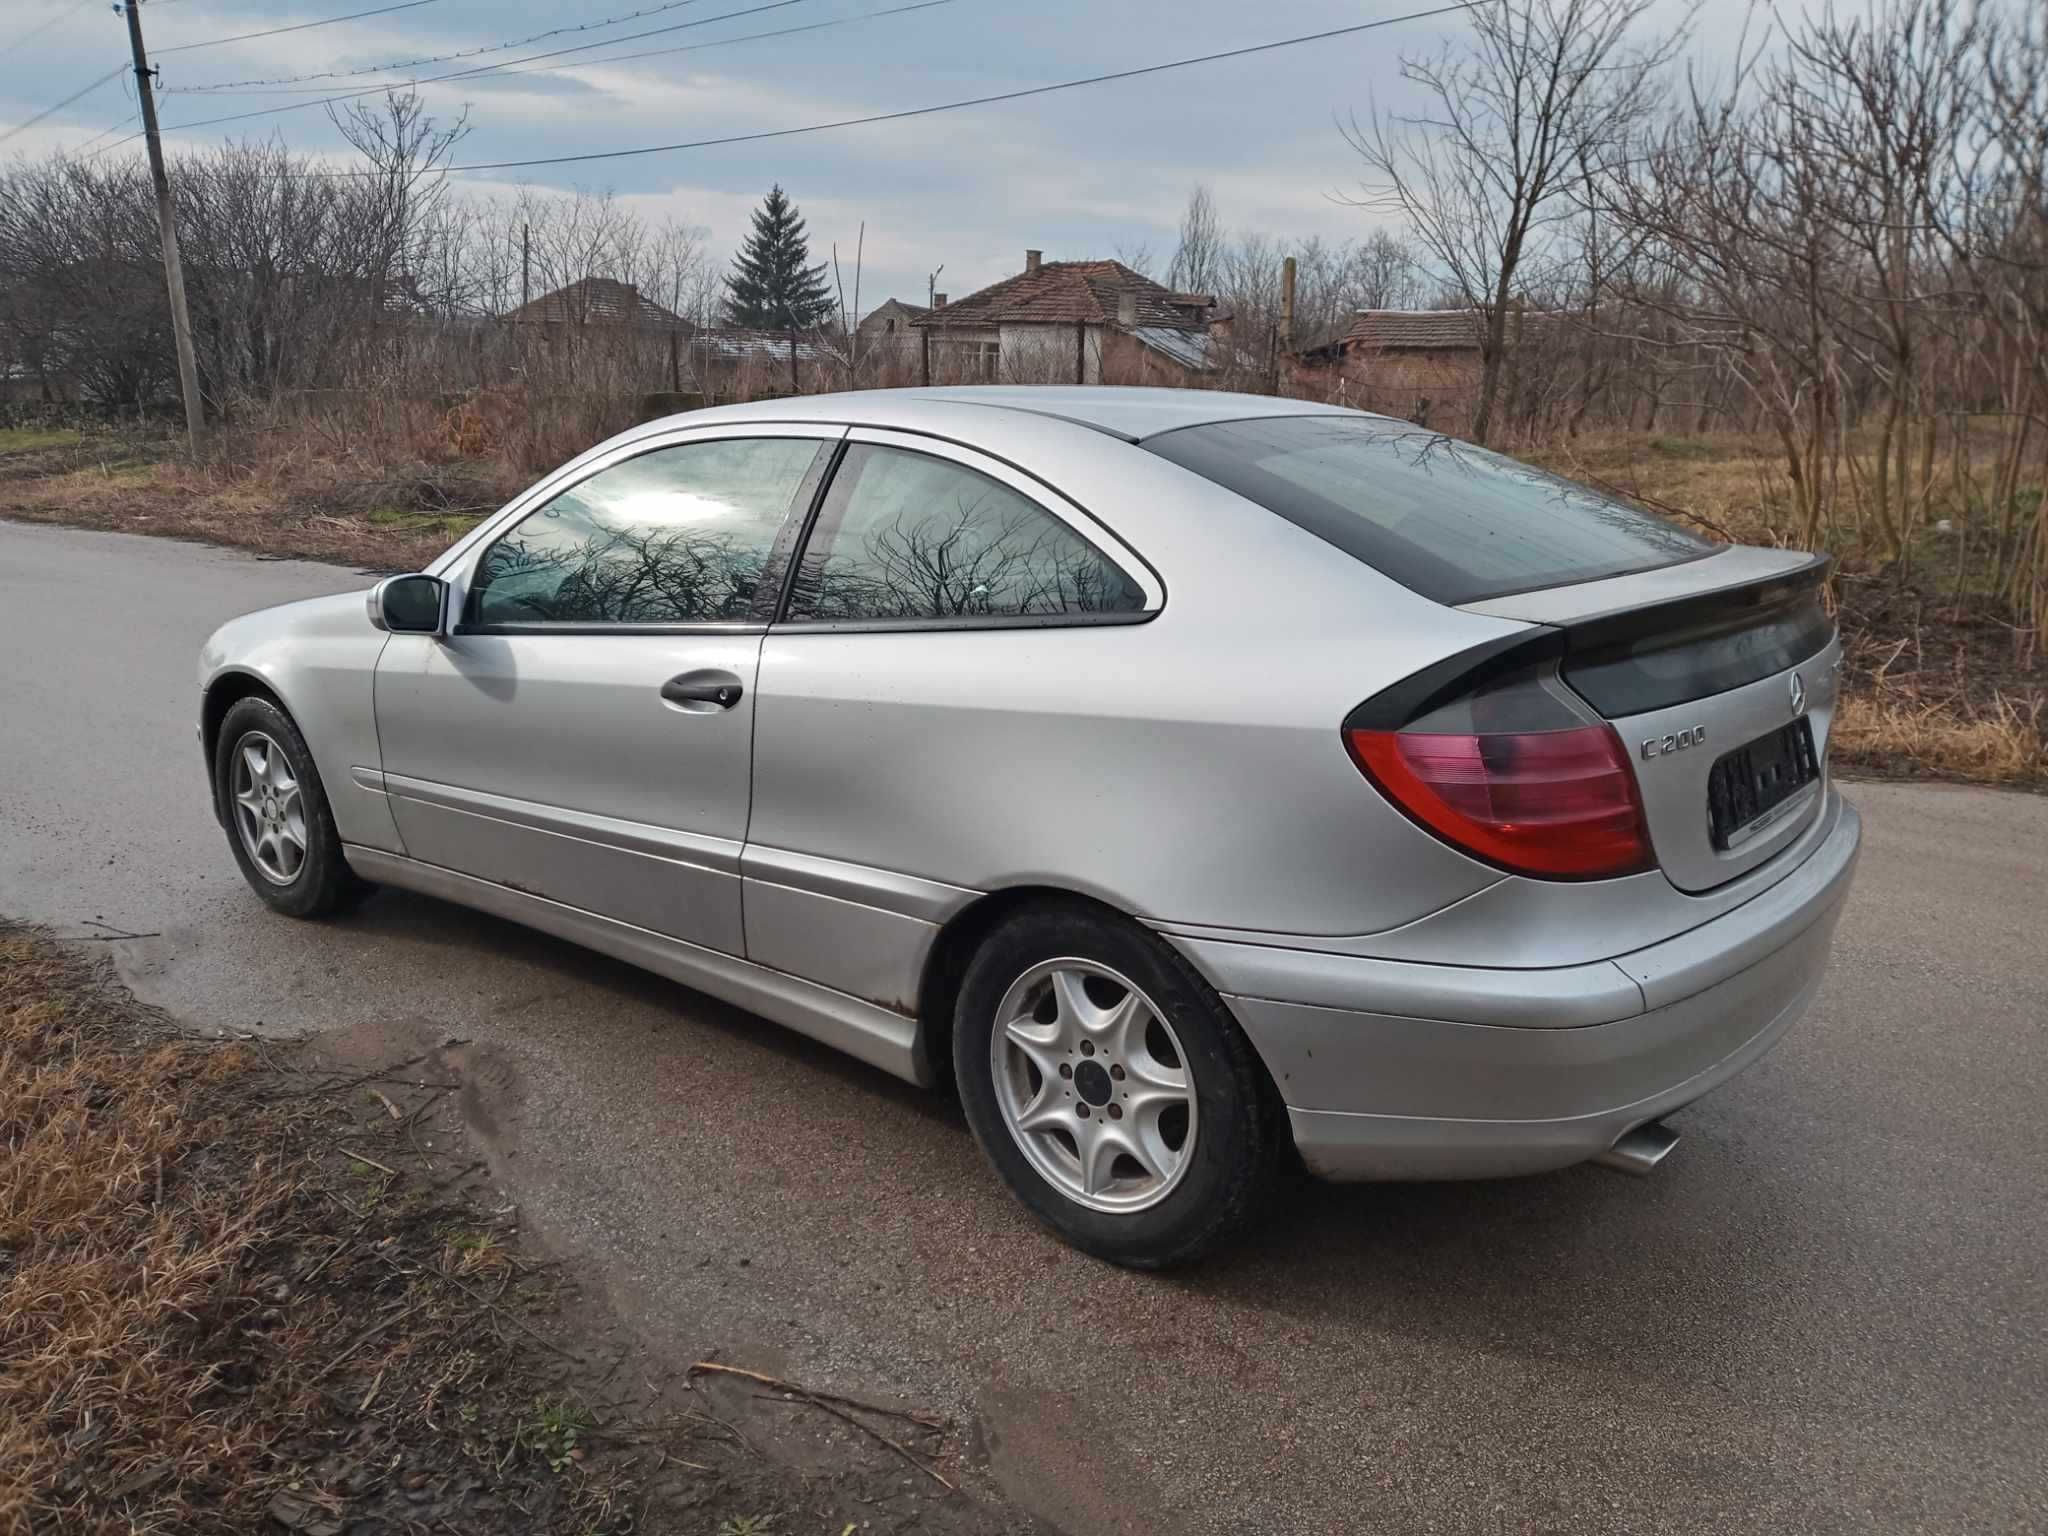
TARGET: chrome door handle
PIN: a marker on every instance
(720, 689)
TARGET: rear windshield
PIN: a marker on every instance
(1451, 521)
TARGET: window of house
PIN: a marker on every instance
(906, 536)
(680, 535)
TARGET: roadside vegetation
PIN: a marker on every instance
(1942, 679)
(245, 1289)
(1801, 300)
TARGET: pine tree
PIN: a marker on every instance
(772, 283)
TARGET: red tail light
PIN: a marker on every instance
(1559, 804)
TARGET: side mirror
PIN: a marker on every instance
(409, 605)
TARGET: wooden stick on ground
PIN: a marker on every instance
(923, 1420)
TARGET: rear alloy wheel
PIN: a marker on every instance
(274, 808)
(1091, 1081)
(1111, 1087)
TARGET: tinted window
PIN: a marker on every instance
(1453, 522)
(907, 536)
(677, 536)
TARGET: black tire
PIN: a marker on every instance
(322, 884)
(1238, 1151)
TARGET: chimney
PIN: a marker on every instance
(1127, 309)
(938, 301)
(1032, 259)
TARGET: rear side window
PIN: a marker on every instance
(906, 536)
(1453, 522)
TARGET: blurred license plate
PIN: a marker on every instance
(1754, 787)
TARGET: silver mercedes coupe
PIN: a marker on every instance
(1193, 780)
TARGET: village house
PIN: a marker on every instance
(1419, 364)
(1087, 322)
(598, 301)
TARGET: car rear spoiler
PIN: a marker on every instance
(1706, 636)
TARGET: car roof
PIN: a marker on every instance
(1129, 413)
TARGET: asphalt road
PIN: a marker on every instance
(1826, 1312)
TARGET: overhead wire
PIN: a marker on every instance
(303, 26)
(506, 72)
(445, 58)
(992, 99)
(83, 90)
(37, 31)
(462, 74)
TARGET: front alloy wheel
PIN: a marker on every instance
(270, 801)
(269, 813)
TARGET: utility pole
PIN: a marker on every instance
(931, 304)
(167, 227)
(1286, 321)
(525, 264)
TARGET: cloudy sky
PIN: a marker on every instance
(1079, 173)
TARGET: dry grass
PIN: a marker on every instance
(201, 1301)
(247, 1287)
(1729, 486)
(1901, 734)
(120, 1278)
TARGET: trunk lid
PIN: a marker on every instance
(1720, 676)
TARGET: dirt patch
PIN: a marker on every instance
(246, 1286)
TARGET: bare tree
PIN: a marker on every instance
(1483, 174)
(1198, 261)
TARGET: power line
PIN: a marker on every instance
(304, 26)
(506, 72)
(445, 58)
(35, 32)
(948, 106)
(464, 74)
(88, 144)
(21, 128)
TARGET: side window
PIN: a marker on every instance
(680, 535)
(908, 536)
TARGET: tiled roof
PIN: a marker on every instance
(745, 342)
(597, 301)
(1413, 330)
(893, 309)
(1063, 292)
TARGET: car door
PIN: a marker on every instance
(584, 731)
(945, 611)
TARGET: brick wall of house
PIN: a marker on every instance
(1396, 383)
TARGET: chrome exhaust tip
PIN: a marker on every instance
(1640, 1150)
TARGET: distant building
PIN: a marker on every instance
(600, 301)
(1418, 364)
(1087, 322)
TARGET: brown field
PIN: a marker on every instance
(1942, 681)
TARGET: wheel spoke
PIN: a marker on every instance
(1098, 1155)
(1156, 1158)
(1042, 1043)
(1077, 1014)
(1122, 1027)
(254, 764)
(1046, 1109)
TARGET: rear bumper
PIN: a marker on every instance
(1393, 1070)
